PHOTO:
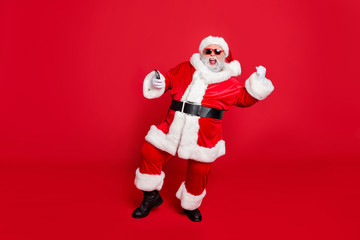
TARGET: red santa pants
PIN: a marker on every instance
(152, 160)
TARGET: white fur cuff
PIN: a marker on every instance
(189, 201)
(149, 182)
(149, 90)
(257, 88)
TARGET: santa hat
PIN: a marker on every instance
(214, 40)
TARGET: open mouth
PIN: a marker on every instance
(212, 61)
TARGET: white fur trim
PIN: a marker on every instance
(189, 137)
(214, 40)
(149, 182)
(196, 89)
(234, 67)
(149, 90)
(189, 201)
(167, 142)
(210, 77)
(208, 155)
(257, 88)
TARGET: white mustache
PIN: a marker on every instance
(216, 67)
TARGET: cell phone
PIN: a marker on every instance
(157, 74)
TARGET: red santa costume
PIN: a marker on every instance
(197, 139)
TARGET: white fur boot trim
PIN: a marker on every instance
(149, 182)
(189, 201)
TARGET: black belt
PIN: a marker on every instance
(196, 110)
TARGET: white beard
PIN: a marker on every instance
(215, 68)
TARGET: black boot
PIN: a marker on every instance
(193, 215)
(151, 199)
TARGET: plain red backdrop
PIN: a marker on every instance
(73, 119)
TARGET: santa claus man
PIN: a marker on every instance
(201, 89)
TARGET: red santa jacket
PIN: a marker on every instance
(193, 137)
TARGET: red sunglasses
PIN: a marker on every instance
(208, 51)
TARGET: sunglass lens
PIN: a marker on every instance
(208, 51)
(217, 51)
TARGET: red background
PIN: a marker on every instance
(73, 119)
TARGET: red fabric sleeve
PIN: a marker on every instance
(168, 81)
(244, 99)
(170, 75)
